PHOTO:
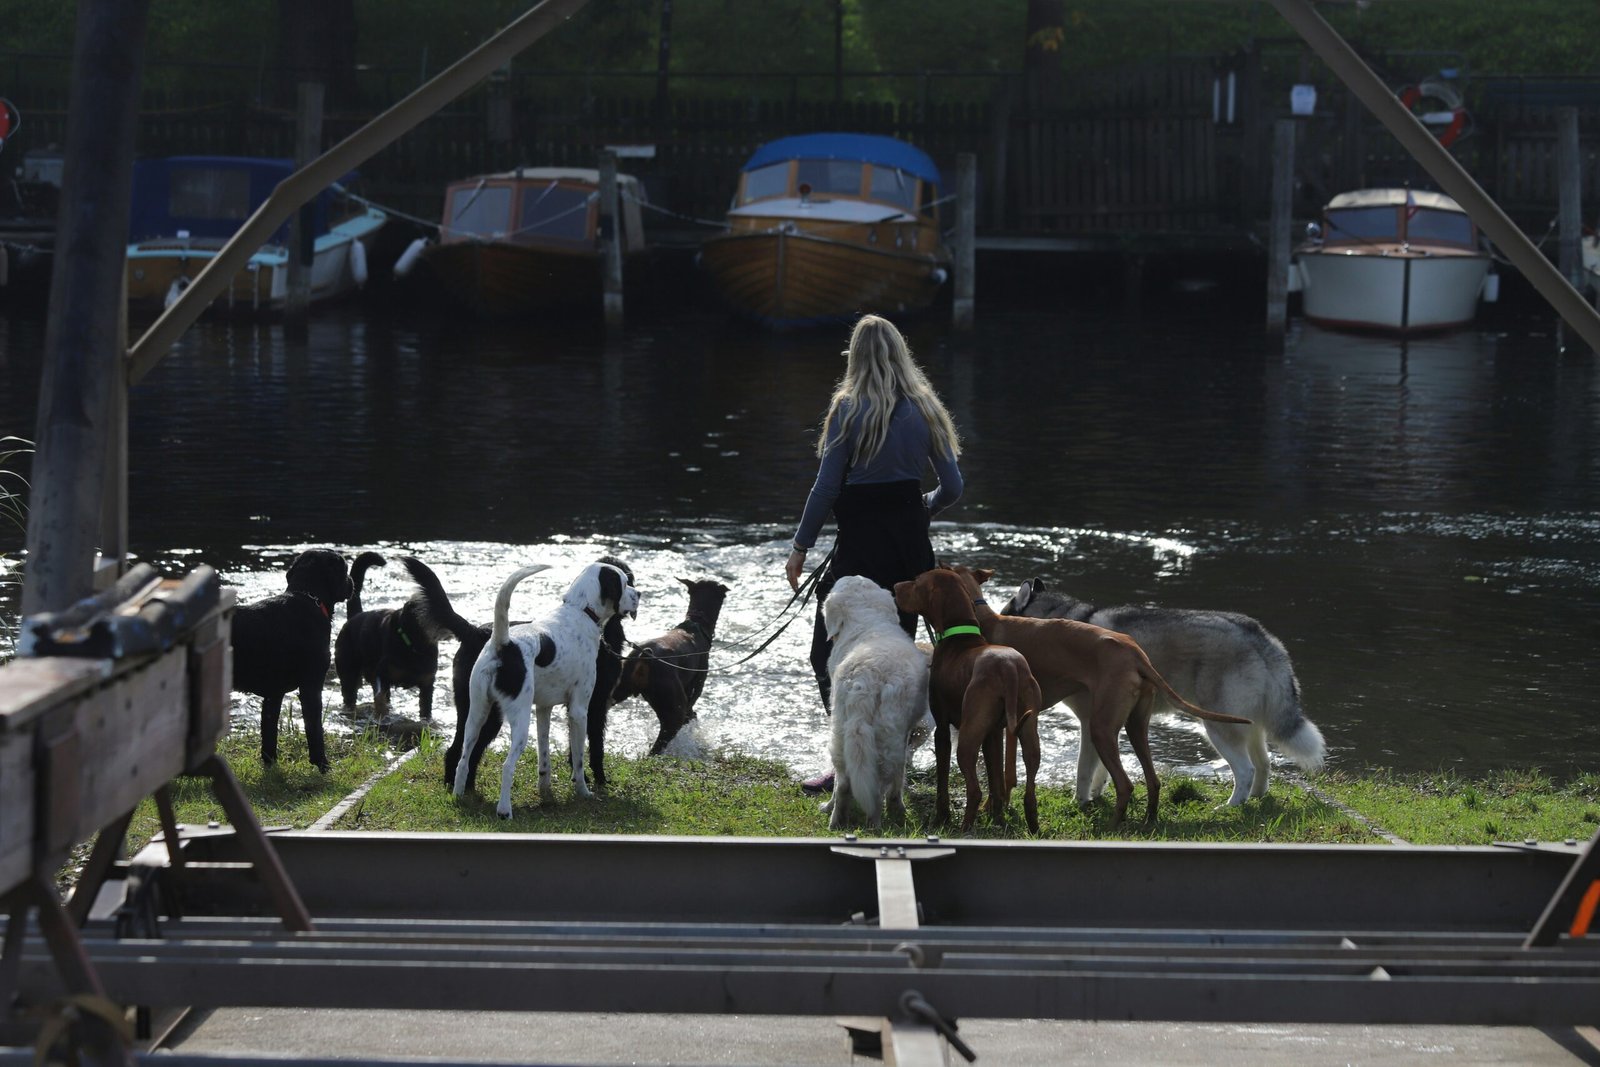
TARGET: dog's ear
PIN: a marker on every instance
(1038, 586)
(982, 575)
(611, 586)
(1024, 595)
(687, 583)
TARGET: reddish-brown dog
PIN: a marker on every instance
(985, 691)
(1069, 658)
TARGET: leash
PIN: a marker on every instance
(801, 594)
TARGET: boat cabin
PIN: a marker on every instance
(823, 167)
(210, 197)
(1397, 217)
(558, 207)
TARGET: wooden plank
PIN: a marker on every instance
(16, 809)
(30, 687)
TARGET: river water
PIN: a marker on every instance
(1416, 522)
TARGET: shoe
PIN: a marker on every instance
(822, 783)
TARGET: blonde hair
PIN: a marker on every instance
(878, 370)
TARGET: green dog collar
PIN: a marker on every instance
(957, 631)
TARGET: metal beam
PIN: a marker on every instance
(333, 165)
(1443, 167)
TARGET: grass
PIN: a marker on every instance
(739, 796)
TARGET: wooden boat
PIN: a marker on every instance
(527, 240)
(827, 226)
(1394, 260)
(185, 208)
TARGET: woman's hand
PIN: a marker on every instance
(794, 568)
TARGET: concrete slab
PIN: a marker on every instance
(549, 1038)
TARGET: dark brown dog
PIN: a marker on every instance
(1117, 678)
(986, 691)
(670, 671)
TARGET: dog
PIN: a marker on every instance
(393, 648)
(607, 668)
(880, 698)
(280, 644)
(986, 691)
(541, 664)
(1109, 674)
(669, 671)
(1222, 660)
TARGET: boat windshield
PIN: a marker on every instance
(1447, 227)
(764, 183)
(553, 211)
(208, 193)
(830, 176)
(1363, 224)
(891, 185)
(478, 211)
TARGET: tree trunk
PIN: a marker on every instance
(1047, 33)
(317, 43)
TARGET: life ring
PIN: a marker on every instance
(1448, 123)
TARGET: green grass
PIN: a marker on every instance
(736, 795)
(1447, 809)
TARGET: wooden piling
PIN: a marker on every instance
(302, 227)
(611, 236)
(966, 239)
(1569, 176)
(1280, 237)
(83, 346)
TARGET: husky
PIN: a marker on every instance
(1216, 659)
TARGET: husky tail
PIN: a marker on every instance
(358, 574)
(1297, 735)
(502, 602)
(437, 613)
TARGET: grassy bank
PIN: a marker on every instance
(739, 796)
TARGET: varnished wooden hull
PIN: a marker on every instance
(500, 278)
(786, 279)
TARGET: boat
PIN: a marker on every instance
(28, 204)
(185, 208)
(525, 240)
(1393, 260)
(826, 226)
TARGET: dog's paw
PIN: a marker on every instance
(583, 791)
(503, 810)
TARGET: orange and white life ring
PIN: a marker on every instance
(1448, 122)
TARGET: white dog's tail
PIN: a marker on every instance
(1297, 735)
(502, 602)
(861, 753)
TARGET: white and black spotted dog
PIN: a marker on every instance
(537, 665)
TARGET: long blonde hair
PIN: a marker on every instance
(878, 370)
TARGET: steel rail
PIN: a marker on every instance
(332, 166)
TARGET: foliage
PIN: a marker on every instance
(13, 522)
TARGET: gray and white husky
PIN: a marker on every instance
(1216, 659)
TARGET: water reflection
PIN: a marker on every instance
(1416, 522)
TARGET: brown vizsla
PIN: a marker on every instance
(1069, 658)
(983, 690)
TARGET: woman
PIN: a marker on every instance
(885, 426)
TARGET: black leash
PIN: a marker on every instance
(801, 594)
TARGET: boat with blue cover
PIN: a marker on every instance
(827, 226)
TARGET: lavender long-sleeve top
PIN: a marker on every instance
(907, 451)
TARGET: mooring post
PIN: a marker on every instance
(1279, 237)
(611, 238)
(302, 227)
(966, 239)
(83, 344)
(1569, 169)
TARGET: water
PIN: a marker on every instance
(1418, 523)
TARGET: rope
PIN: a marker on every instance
(672, 214)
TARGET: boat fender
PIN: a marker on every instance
(408, 258)
(175, 290)
(939, 275)
(358, 263)
(1491, 287)
(1296, 279)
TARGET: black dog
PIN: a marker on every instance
(608, 665)
(394, 648)
(670, 671)
(280, 644)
